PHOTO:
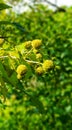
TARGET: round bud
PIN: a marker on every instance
(1, 40)
(36, 43)
(39, 70)
(35, 51)
(48, 64)
(21, 69)
(38, 56)
(57, 67)
(28, 45)
(19, 76)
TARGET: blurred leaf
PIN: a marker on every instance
(68, 108)
(4, 6)
(3, 74)
(37, 103)
(20, 27)
(13, 78)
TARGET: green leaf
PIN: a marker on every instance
(13, 78)
(3, 74)
(37, 103)
(2, 71)
(4, 6)
(3, 91)
(16, 24)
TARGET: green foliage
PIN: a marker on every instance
(36, 100)
(4, 6)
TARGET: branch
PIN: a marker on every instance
(34, 62)
(3, 37)
(52, 4)
(13, 57)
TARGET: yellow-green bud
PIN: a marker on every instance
(28, 44)
(36, 43)
(48, 64)
(53, 58)
(19, 76)
(21, 69)
(1, 40)
(39, 70)
(38, 56)
(35, 51)
(57, 67)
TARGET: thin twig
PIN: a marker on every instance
(28, 52)
(35, 62)
(3, 37)
(2, 57)
(52, 4)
